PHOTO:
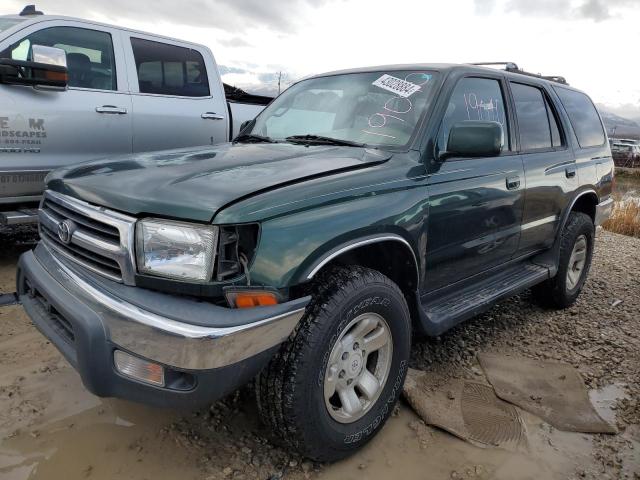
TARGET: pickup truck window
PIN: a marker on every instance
(373, 108)
(584, 117)
(169, 70)
(7, 23)
(474, 99)
(536, 121)
(90, 57)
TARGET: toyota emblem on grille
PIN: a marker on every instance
(65, 231)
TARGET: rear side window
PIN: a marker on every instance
(584, 117)
(536, 120)
(90, 58)
(169, 70)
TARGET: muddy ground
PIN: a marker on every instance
(51, 428)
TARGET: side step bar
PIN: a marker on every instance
(16, 217)
(443, 313)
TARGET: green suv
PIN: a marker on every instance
(359, 207)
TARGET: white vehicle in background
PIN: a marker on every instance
(73, 90)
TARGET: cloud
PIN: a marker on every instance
(596, 10)
(257, 82)
(539, 8)
(235, 42)
(484, 7)
(224, 70)
(230, 15)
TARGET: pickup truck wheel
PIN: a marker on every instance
(335, 381)
(576, 251)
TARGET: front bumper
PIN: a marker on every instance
(208, 350)
(603, 211)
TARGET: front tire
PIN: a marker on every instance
(335, 381)
(576, 252)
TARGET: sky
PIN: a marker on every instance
(594, 44)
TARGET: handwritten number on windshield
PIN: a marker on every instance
(395, 105)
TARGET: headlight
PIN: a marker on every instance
(178, 250)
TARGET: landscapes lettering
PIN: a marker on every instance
(398, 105)
(14, 136)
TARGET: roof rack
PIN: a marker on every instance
(513, 68)
(30, 10)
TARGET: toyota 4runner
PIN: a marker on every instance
(359, 207)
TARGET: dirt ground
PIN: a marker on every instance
(51, 428)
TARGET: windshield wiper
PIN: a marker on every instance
(319, 139)
(253, 138)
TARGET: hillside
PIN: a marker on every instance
(622, 127)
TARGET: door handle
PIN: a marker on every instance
(112, 109)
(212, 116)
(513, 183)
(570, 172)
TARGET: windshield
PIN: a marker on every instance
(7, 23)
(377, 109)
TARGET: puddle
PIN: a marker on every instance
(52, 428)
(77, 435)
(98, 444)
(604, 400)
(401, 451)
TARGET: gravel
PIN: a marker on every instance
(599, 335)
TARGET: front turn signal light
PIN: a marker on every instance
(251, 299)
(138, 368)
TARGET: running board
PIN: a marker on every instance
(25, 215)
(442, 313)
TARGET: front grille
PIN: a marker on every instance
(98, 239)
(97, 228)
(83, 256)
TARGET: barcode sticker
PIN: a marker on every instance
(400, 87)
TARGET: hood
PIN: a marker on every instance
(194, 184)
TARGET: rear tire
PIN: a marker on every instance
(324, 394)
(576, 252)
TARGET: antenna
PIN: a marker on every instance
(30, 10)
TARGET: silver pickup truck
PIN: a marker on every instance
(122, 92)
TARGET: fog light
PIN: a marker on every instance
(138, 368)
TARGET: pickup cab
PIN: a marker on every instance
(358, 208)
(124, 92)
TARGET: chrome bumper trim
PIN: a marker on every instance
(172, 342)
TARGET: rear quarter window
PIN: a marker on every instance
(165, 69)
(583, 116)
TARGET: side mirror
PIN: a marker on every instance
(48, 70)
(244, 125)
(474, 138)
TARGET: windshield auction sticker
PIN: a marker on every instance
(400, 87)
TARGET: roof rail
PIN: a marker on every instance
(30, 10)
(513, 68)
(508, 66)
